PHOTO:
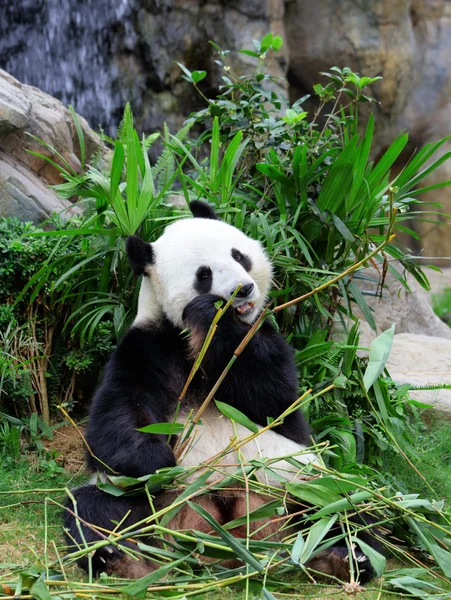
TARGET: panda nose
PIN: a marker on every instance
(245, 290)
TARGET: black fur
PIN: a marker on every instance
(140, 254)
(204, 280)
(202, 210)
(243, 259)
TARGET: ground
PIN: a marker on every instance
(27, 519)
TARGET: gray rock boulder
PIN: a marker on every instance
(24, 176)
(422, 360)
(410, 311)
(22, 193)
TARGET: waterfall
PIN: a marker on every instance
(68, 48)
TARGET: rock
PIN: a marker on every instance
(439, 280)
(26, 110)
(410, 311)
(23, 195)
(421, 360)
(177, 200)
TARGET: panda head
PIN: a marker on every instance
(199, 256)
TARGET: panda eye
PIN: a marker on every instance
(236, 255)
(203, 273)
(242, 259)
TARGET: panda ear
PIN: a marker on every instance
(140, 254)
(202, 210)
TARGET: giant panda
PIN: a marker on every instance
(195, 263)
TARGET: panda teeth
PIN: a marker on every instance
(245, 307)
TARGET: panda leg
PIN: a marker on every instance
(103, 510)
(335, 561)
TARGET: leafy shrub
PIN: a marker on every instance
(38, 366)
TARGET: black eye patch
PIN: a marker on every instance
(243, 259)
(204, 280)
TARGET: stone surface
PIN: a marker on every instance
(22, 194)
(410, 311)
(23, 176)
(423, 360)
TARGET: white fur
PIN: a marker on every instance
(214, 434)
(184, 247)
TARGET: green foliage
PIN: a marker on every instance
(21, 437)
(304, 185)
(442, 305)
(38, 359)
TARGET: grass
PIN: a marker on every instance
(431, 454)
(22, 519)
(24, 525)
(22, 514)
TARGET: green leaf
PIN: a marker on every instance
(361, 303)
(266, 42)
(198, 76)
(163, 428)
(316, 534)
(185, 70)
(297, 548)
(378, 562)
(80, 135)
(341, 381)
(249, 53)
(236, 415)
(379, 352)
(138, 588)
(276, 43)
(442, 556)
(40, 591)
(343, 504)
(314, 493)
(214, 155)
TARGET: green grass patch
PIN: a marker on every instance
(431, 455)
(23, 509)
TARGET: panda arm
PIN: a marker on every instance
(263, 381)
(136, 391)
(114, 438)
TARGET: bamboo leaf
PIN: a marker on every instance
(379, 352)
(236, 545)
(163, 428)
(236, 415)
(378, 562)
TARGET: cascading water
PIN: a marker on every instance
(67, 48)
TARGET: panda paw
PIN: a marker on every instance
(334, 563)
(201, 311)
(105, 558)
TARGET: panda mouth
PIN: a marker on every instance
(245, 308)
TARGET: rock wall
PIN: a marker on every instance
(97, 56)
